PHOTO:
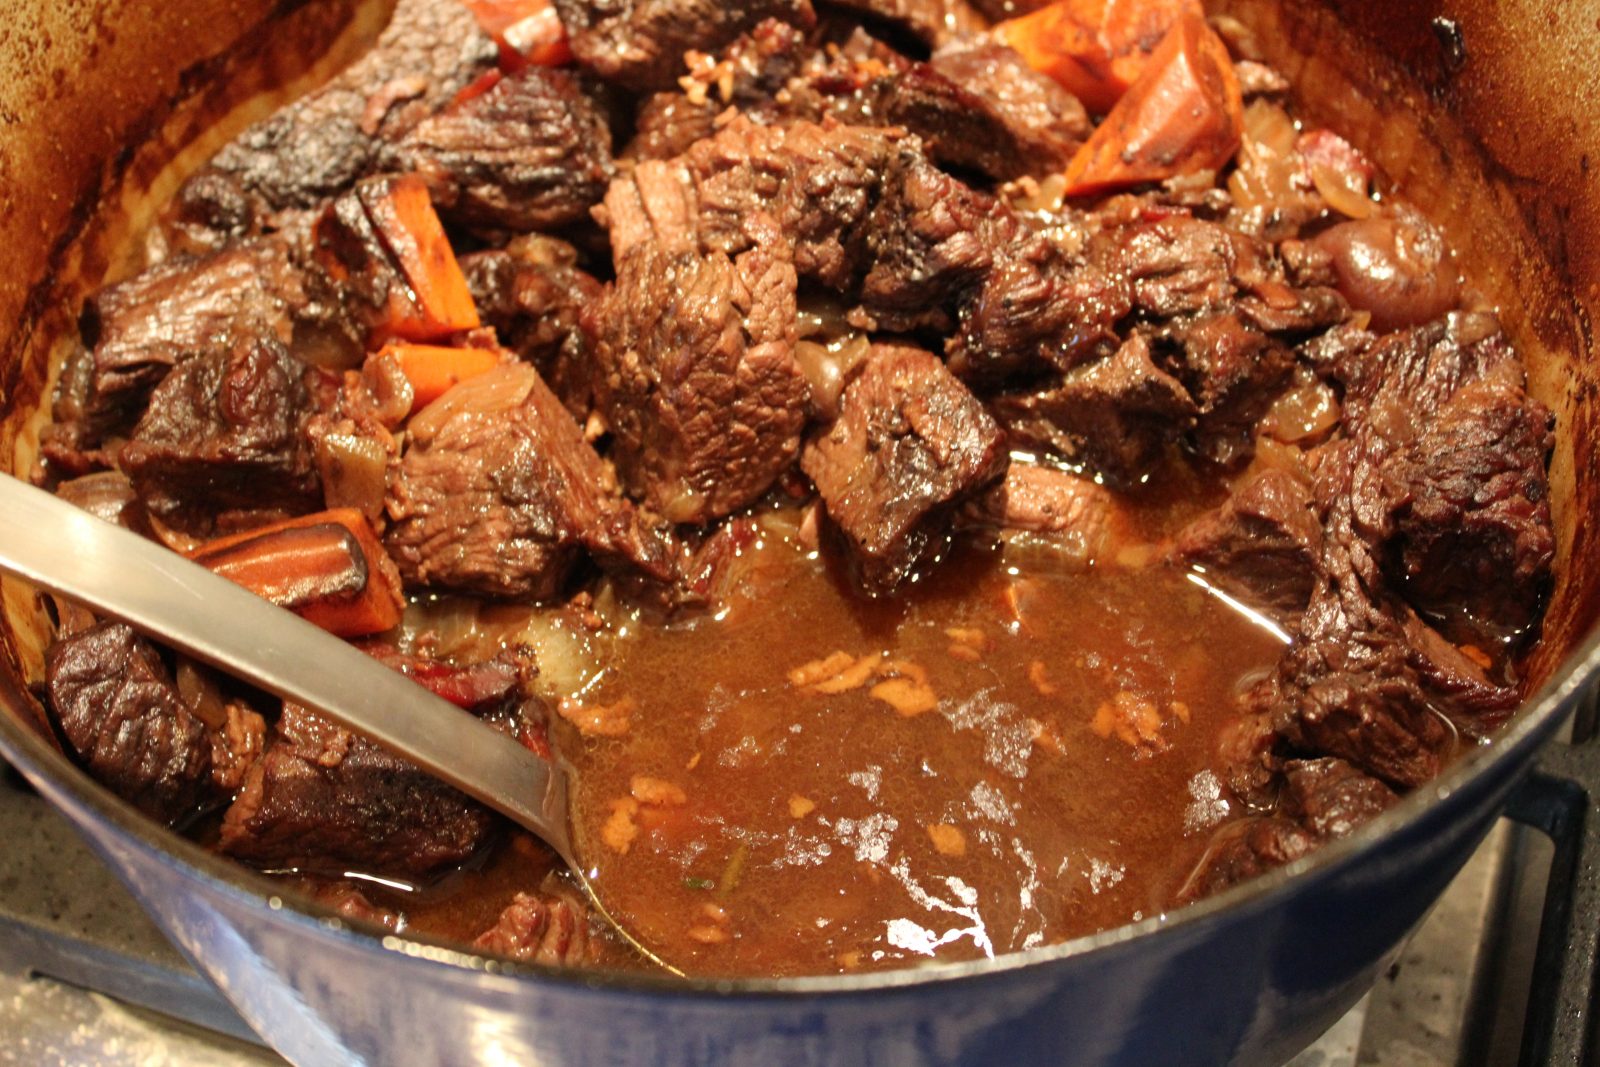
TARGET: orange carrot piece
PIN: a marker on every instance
(528, 31)
(432, 369)
(1096, 49)
(403, 215)
(1184, 114)
(328, 568)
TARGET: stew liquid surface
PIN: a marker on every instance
(1011, 754)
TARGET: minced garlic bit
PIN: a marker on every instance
(1041, 680)
(599, 720)
(836, 673)
(799, 806)
(708, 935)
(656, 792)
(971, 636)
(905, 695)
(903, 685)
(619, 830)
(1136, 721)
(820, 669)
(948, 840)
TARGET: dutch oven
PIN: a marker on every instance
(1483, 111)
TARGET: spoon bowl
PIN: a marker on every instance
(116, 573)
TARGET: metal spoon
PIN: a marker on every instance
(117, 573)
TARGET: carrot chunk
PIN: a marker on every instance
(328, 568)
(403, 215)
(1184, 114)
(1096, 49)
(527, 31)
(432, 369)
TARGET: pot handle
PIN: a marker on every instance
(1561, 799)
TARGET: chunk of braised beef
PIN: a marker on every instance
(1117, 415)
(818, 184)
(1320, 800)
(1466, 485)
(530, 153)
(1244, 850)
(696, 376)
(345, 899)
(498, 493)
(553, 926)
(226, 432)
(641, 43)
(910, 445)
(980, 107)
(181, 309)
(1330, 798)
(120, 712)
(1072, 512)
(931, 240)
(1234, 373)
(318, 145)
(1348, 687)
(324, 799)
(1264, 545)
(533, 293)
(932, 22)
(750, 75)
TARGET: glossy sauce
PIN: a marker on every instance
(1055, 776)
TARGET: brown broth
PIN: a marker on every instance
(822, 832)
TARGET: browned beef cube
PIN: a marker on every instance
(1040, 499)
(1117, 415)
(761, 64)
(697, 378)
(930, 21)
(1467, 485)
(1245, 850)
(1263, 545)
(324, 799)
(553, 926)
(1176, 263)
(979, 106)
(641, 43)
(120, 711)
(531, 153)
(932, 240)
(910, 445)
(534, 295)
(226, 431)
(1320, 800)
(1330, 798)
(818, 184)
(1234, 373)
(1351, 692)
(1073, 513)
(321, 143)
(498, 492)
(184, 308)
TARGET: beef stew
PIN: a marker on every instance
(839, 384)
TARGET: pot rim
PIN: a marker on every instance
(1529, 728)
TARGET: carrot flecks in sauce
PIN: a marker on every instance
(835, 833)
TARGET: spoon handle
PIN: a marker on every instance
(117, 573)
